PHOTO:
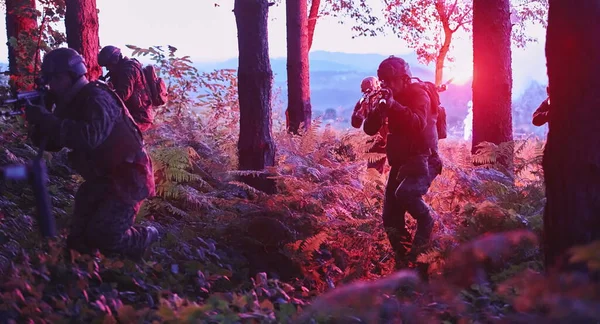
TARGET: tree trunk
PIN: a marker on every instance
(492, 75)
(571, 158)
(299, 108)
(22, 35)
(441, 58)
(256, 149)
(313, 16)
(81, 22)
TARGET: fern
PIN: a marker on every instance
(246, 173)
(313, 243)
(246, 187)
(304, 248)
(171, 165)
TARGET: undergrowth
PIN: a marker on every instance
(315, 251)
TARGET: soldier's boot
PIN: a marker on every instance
(422, 238)
(400, 241)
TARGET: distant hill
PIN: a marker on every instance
(335, 81)
(330, 61)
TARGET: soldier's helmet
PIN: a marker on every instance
(393, 67)
(109, 55)
(369, 84)
(62, 60)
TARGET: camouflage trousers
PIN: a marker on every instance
(103, 220)
(404, 192)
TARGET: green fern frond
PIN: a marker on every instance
(174, 210)
(168, 190)
(246, 173)
(486, 153)
(375, 157)
(309, 138)
(145, 209)
(313, 243)
(245, 187)
(180, 175)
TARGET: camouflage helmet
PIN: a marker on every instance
(393, 67)
(109, 54)
(63, 60)
(369, 84)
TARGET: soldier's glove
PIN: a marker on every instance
(386, 101)
(38, 115)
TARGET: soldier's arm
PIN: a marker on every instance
(415, 117)
(35, 135)
(357, 115)
(540, 116)
(89, 133)
(125, 83)
(373, 122)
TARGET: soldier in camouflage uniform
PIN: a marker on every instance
(107, 149)
(412, 144)
(127, 79)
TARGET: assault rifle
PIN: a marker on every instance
(21, 98)
(381, 93)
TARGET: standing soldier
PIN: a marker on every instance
(127, 79)
(369, 87)
(412, 144)
(107, 151)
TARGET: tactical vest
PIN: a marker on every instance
(124, 143)
(403, 143)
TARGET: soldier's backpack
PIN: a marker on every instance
(434, 97)
(156, 86)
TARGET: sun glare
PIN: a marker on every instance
(460, 74)
(461, 69)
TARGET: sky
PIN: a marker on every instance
(208, 33)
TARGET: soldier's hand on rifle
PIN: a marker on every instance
(386, 99)
(39, 115)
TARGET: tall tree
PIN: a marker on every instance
(81, 22)
(428, 26)
(23, 50)
(299, 109)
(313, 16)
(256, 149)
(571, 160)
(492, 80)
(413, 23)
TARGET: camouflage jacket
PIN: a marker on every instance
(128, 82)
(411, 122)
(104, 140)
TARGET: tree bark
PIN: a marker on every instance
(81, 22)
(441, 58)
(492, 75)
(22, 33)
(313, 16)
(571, 160)
(256, 149)
(299, 108)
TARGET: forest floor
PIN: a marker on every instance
(316, 250)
